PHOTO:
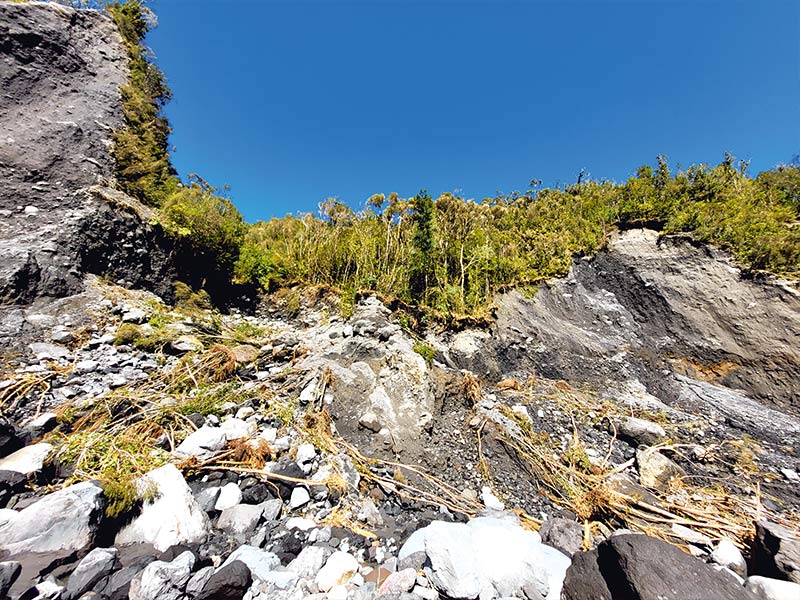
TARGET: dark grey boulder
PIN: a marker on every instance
(10, 437)
(637, 567)
(563, 535)
(96, 565)
(776, 552)
(9, 571)
(11, 483)
(229, 583)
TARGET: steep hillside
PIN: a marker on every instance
(630, 429)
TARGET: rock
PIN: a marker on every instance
(163, 580)
(308, 393)
(453, 562)
(27, 460)
(86, 366)
(240, 518)
(244, 412)
(299, 523)
(369, 420)
(338, 570)
(655, 469)
(230, 582)
(776, 552)
(727, 555)
(309, 562)
(369, 514)
(306, 453)
(259, 562)
(99, 563)
(10, 437)
(300, 497)
(203, 443)
(134, 315)
(206, 498)
(490, 500)
(691, 536)
(398, 582)
(791, 475)
(644, 568)
(198, 581)
(44, 423)
(245, 353)
(65, 520)
(767, 588)
(45, 351)
(184, 344)
(640, 431)
(272, 509)
(11, 483)
(173, 517)
(257, 493)
(562, 534)
(9, 572)
(229, 496)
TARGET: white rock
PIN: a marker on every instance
(791, 475)
(307, 395)
(300, 497)
(490, 500)
(163, 580)
(691, 536)
(173, 517)
(244, 412)
(229, 496)
(241, 518)
(369, 420)
(454, 569)
(27, 460)
(86, 366)
(259, 562)
(269, 435)
(299, 523)
(773, 589)
(202, 443)
(309, 562)
(338, 592)
(236, 429)
(726, 554)
(63, 520)
(338, 570)
(134, 315)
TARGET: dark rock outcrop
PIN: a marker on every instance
(776, 552)
(637, 567)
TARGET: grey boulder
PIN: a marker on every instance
(9, 572)
(163, 580)
(99, 563)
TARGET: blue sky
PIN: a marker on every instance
(293, 102)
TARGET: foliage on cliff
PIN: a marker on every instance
(451, 255)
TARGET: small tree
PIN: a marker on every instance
(423, 244)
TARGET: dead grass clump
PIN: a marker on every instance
(472, 388)
(251, 454)
(509, 384)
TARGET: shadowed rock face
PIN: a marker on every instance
(654, 317)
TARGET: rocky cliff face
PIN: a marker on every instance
(61, 70)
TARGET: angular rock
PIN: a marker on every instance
(776, 552)
(245, 353)
(11, 483)
(398, 582)
(65, 520)
(99, 563)
(300, 497)
(236, 429)
(727, 555)
(207, 498)
(230, 582)
(306, 453)
(338, 569)
(241, 518)
(644, 568)
(562, 534)
(309, 562)
(369, 420)
(163, 580)
(767, 588)
(134, 315)
(198, 581)
(172, 517)
(184, 344)
(655, 469)
(10, 437)
(640, 431)
(260, 562)
(27, 460)
(203, 443)
(229, 496)
(272, 509)
(9, 572)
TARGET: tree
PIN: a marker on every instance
(423, 243)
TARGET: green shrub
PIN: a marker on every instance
(127, 334)
(426, 351)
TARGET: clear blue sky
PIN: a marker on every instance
(293, 102)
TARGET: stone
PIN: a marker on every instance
(230, 582)
(645, 568)
(655, 469)
(65, 520)
(245, 353)
(134, 315)
(172, 517)
(727, 555)
(308, 393)
(44, 423)
(10, 437)
(260, 562)
(239, 519)
(244, 412)
(490, 500)
(236, 429)
(398, 582)
(562, 534)
(272, 509)
(184, 344)
(691, 536)
(369, 420)
(206, 498)
(45, 351)
(767, 588)
(776, 552)
(99, 563)
(338, 570)
(9, 572)
(27, 460)
(309, 562)
(299, 523)
(198, 581)
(203, 443)
(163, 580)
(369, 514)
(300, 497)
(640, 431)
(229, 496)
(86, 366)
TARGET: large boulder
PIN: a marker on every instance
(65, 520)
(776, 552)
(27, 460)
(96, 565)
(638, 567)
(228, 583)
(490, 556)
(171, 517)
(163, 580)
